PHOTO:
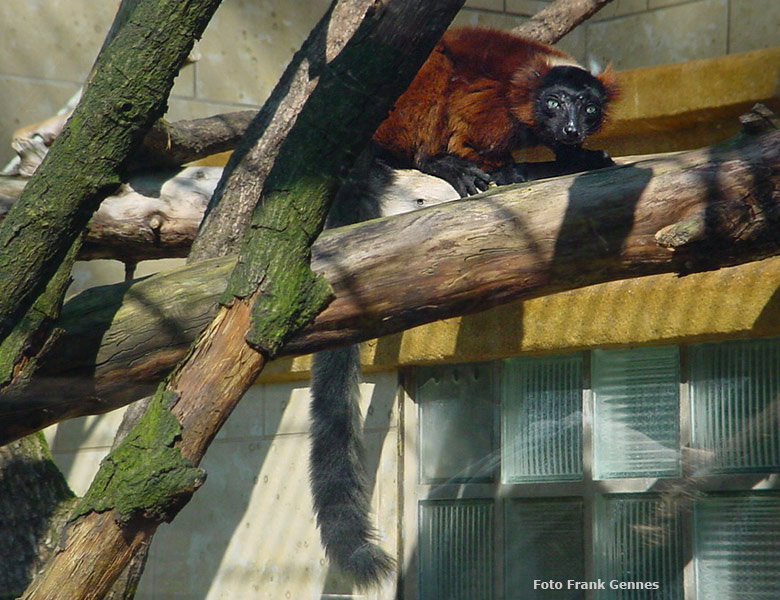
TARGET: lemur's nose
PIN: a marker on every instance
(570, 131)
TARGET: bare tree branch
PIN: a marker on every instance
(522, 242)
(180, 142)
(556, 20)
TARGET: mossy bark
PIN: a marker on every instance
(40, 237)
(127, 92)
(125, 484)
(614, 224)
(354, 95)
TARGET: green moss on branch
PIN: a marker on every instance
(145, 475)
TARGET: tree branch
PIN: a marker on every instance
(232, 204)
(36, 235)
(522, 242)
(174, 144)
(556, 20)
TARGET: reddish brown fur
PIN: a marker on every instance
(472, 98)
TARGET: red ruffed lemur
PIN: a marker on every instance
(484, 93)
(480, 95)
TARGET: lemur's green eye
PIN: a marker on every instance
(591, 109)
(552, 103)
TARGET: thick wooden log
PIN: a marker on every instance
(155, 215)
(457, 258)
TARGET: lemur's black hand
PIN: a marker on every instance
(466, 177)
(511, 173)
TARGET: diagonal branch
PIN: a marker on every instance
(556, 20)
(106, 127)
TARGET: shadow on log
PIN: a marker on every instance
(682, 213)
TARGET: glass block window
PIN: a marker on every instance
(541, 419)
(636, 412)
(737, 547)
(544, 541)
(735, 398)
(639, 542)
(456, 550)
(458, 416)
(595, 501)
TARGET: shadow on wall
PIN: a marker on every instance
(250, 530)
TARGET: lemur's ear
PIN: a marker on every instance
(609, 80)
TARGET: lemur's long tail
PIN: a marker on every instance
(338, 478)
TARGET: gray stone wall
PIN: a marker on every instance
(639, 33)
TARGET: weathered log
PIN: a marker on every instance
(166, 145)
(458, 258)
(155, 215)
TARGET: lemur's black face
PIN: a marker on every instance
(569, 106)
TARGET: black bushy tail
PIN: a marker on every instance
(338, 478)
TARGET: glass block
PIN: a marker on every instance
(458, 417)
(639, 541)
(456, 550)
(636, 429)
(544, 540)
(541, 419)
(735, 391)
(737, 547)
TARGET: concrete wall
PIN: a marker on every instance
(249, 532)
